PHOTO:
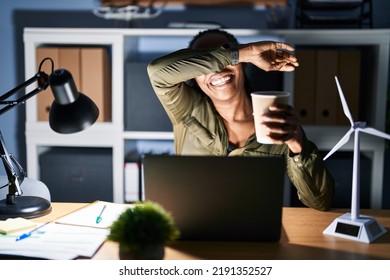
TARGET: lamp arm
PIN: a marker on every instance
(13, 183)
(19, 87)
(43, 83)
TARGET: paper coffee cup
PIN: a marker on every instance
(261, 100)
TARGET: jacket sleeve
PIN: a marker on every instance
(314, 183)
(168, 76)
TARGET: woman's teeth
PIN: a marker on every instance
(221, 81)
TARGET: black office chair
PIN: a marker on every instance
(334, 14)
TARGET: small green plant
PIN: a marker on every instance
(147, 224)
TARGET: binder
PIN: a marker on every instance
(305, 86)
(349, 76)
(326, 91)
(45, 98)
(70, 59)
(132, 182)
(96, 80)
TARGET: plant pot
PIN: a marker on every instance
(153, 252)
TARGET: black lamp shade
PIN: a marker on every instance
(71, 110)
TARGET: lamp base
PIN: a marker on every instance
(363, 229)
(26, 207)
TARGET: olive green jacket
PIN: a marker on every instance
(199, 130)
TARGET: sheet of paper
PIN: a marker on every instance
(55, 241)
(86, 216)
(26, 253)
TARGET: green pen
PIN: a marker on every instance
(99, 218)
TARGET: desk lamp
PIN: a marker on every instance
(353, 225)
(71, 112)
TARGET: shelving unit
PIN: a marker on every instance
(127, 45)
(376, 78)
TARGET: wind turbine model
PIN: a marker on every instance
(353, 225)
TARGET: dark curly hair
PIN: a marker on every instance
(231, 38)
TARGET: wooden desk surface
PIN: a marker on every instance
(302, 238)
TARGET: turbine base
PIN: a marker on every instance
(363, 229)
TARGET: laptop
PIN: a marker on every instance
(218, 198)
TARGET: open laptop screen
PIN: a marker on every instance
(219, 198)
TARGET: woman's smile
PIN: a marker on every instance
(220, 80)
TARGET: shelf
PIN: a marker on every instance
(215, 2)
(147, 135)
(334, 13)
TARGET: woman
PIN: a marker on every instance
(213, 115)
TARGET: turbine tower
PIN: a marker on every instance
(353, 225)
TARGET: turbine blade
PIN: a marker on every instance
(375, 132)
(340, 143)
(347, 113)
